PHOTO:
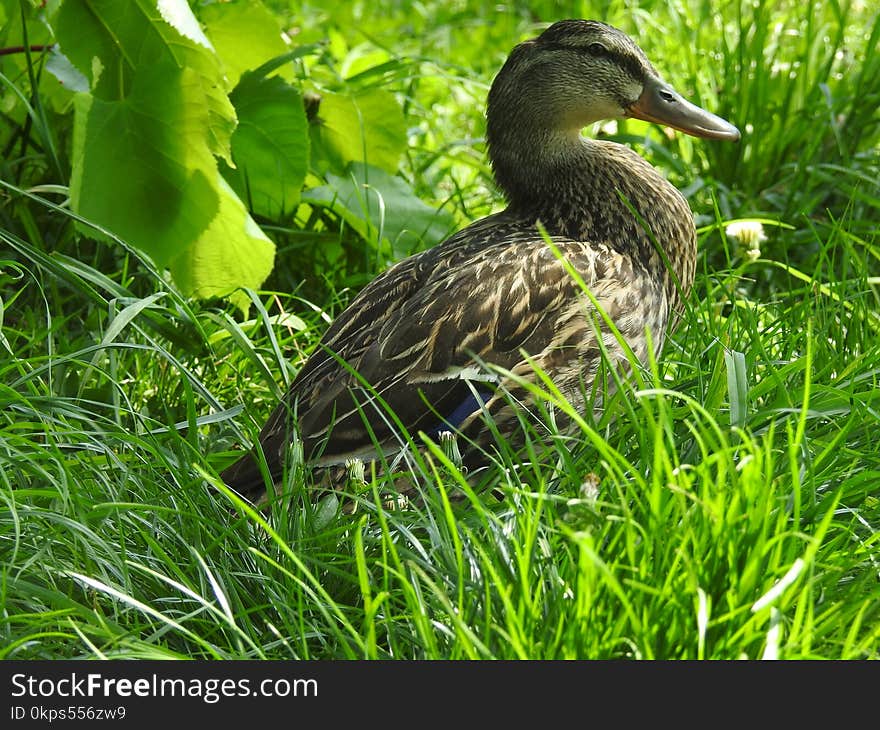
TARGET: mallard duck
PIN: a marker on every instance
(444, 337)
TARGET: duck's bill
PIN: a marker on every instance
(660, 103)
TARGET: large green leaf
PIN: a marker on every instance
(145, 140)
(270, 146)
(112, 42)
(366, 127)
(141, 166)
(245, 36)
(232, 252)
(380, 206)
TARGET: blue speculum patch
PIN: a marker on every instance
(471, 403)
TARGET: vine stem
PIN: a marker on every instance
(23, 49)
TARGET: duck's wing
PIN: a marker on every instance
(413, 341)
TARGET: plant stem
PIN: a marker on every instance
(24, 49)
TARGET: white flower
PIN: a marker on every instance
(449, 444)
(749, 235)
(590, 487)
(747, 232)
(356, 471)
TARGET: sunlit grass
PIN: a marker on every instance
(665, 534)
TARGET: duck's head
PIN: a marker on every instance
(578, 72)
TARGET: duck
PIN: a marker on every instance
(448, 339)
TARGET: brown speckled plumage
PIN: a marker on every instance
(420, 331)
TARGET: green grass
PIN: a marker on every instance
(728, 506)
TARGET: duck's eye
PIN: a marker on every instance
(597, 49)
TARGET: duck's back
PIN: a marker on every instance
(422, 345)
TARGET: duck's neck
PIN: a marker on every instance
(599, 192)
